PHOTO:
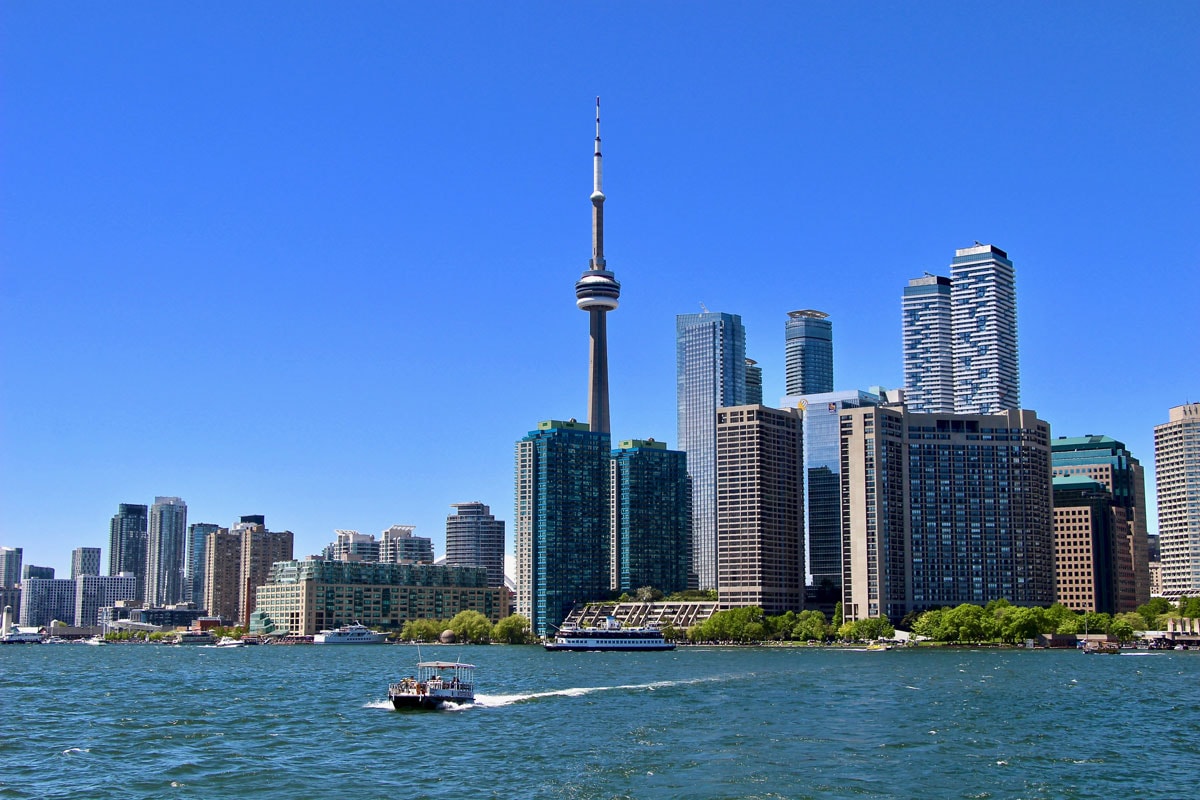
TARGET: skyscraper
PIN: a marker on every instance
(44, 600)
(222, 574)
(33, 571)
(596, 292)
(562, 521)
(1177, 475)
(94, 592)
(651, 517)
(808, 352)
(260, 549)
(986, 371)
(760, 508)
(127, 536)
(928, 345)
(166, 551)
(193, 568)
(1107, 461)
(10, 567)
(398, 545)
(475, 538)
(754, 380)
(1091, 556)
(710, 372)
(85, 561)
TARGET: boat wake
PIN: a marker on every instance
(498, 700)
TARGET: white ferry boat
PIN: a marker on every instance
(436, 684)
(350, 634)
(612, 636)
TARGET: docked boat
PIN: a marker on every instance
(611, 636)
(17, 636)
(350, 634)
(1107, 648)
(436, 684)
(195, 637)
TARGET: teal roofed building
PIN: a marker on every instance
(651, 517)
(562, 521)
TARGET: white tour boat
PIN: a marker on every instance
(350, 634)
(611, 636)
(436, 684)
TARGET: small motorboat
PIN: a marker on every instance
(436, 684)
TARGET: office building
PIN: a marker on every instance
(10, 567)
(710, 373)
(11, 598)
(94, 592)
(562, 521)
(944, 509)
(596, 292)
(222, 574)
(754, 379)
(928, 345)
(651, 517)
(822, 488)
(194, 566)
(808, 352)
(475, 538)
(1177, 478)
(303, 597)
(1091, 554)
(85, 561)
(44, 600)
(42, 573)
(166, 551)
(760, 508)
(260, 549)
(398, 545)
(127, 536)
(984, 318)
(1107, 461)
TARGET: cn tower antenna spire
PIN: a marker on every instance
(596, 292)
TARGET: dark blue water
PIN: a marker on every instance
(313, 722)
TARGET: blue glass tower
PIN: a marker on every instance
(562, 521)
(651, 517)
(808, 352)
(710, 373)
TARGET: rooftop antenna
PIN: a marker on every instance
(704, 308)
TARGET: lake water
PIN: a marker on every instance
(313, 722)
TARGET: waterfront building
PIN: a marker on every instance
(808, 353)
(1155, 563)
(194, 566)
(180, 615)
(31, 571)
(398, 545)
(260, 549)
(352, 546)
(166, 551)
(1107, 461)
(760, 508)
(983, 292)
(475, 538)
(11, 598)
(928, 345)
(754, 380)
(596, 292)
(304, 597)
(651, 517)
(562, 521)
(10, 567)
(222, 574)
(944, 509)
(1177, 478)
(94, 592)
(1091, 556)
(710, 373)
(46, 599)
(85, 561)
(822, 487)
(127, 535)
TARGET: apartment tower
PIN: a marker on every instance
(1177, 478)
(475, 538)
(808, 352)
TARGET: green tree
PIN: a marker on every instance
(471, 626)
(872, 628)
(1121, 629)
(838, 619)
(648, 594)
(780, 627)
(929, 625)
(1150, 612)
(1019, 624)
(810, 625)
(513, 629)
(1191, 608)
(422, 630)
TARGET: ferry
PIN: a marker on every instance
(350, 634)
(436, 684)
(195, 637)
(612, 636)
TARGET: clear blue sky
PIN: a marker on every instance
(316, 260)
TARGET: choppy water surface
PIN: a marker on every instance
(313, 722)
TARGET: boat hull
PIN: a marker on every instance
(603, 648)
(406, 702)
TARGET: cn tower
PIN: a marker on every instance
(596, 292)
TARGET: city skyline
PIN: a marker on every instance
(320, 206)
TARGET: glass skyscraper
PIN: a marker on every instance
(928, 346)
(193, 568)
(710, 373)
(166, 549)
(562, 521)
(651, 517)
(983, 292)
(127, 544)
(808, 352)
